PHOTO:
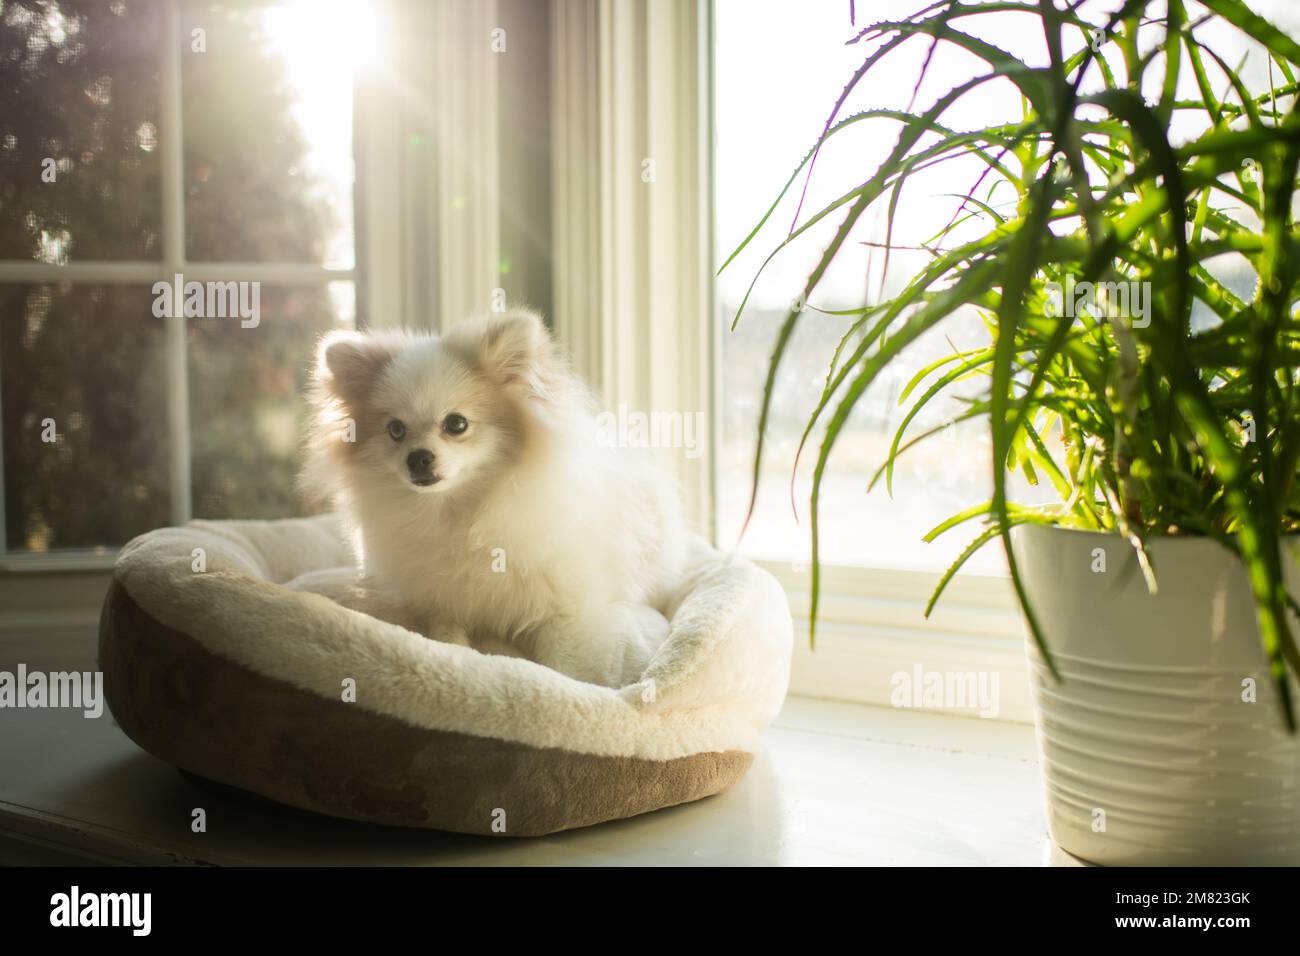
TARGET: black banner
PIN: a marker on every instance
(210, 905)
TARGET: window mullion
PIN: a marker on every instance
(171, 148)
(632, 268)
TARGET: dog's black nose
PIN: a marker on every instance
(420, 462)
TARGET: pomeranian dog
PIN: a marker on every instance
(483, 508)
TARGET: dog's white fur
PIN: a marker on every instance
(535, 539)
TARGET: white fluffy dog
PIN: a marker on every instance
(484, 509)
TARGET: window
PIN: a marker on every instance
(139, 142)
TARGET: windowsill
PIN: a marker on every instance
(873, 635)
(836, 784)
(53, 562)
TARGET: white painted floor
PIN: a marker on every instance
(838, 784)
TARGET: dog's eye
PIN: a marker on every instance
(396, 430)
(455, 424)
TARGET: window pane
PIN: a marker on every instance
(84, 415)
(780, 67)
(936, 479)
(79, 174)
(247, 413)
(779, 72)
(268, 130)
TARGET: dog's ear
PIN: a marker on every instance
(347, 363)
(514, 348)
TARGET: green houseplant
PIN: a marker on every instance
(1165, 407)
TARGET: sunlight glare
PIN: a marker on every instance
(321, 39)
(324, 45)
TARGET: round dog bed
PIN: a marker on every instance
(211, 663)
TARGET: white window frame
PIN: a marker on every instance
(633, 274)
(428, 236)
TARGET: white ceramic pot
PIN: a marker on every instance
(1151, 752)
